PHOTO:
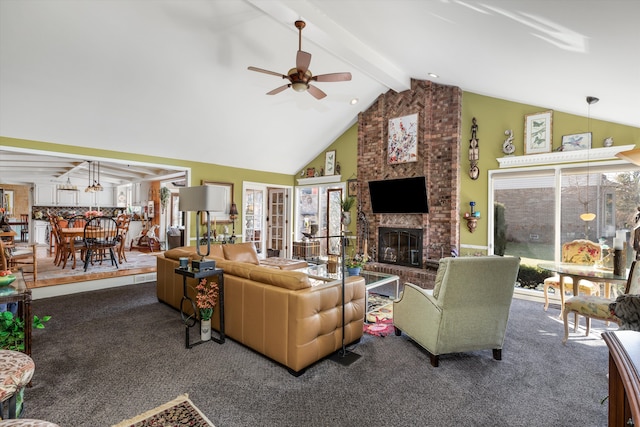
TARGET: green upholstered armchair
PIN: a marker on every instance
(467, 310)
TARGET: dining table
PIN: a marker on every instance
(588, 272)
(75, 235)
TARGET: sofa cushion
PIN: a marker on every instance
(241, 252)
(215, 252)
(178, 253)
(292, 280)
(240, 269)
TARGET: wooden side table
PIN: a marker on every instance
(190, 320)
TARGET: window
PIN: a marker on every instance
(541, 208)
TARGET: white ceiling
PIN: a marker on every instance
(170, 78)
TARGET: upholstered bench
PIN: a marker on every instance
(16, 371)
(284, 263)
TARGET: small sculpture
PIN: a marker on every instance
(474, 152)
(608, 142)
(507, 146)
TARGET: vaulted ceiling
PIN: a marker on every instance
(170, 79)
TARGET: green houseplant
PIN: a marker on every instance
(12, 330)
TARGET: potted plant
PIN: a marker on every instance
(347, 204)
(355, 263)
(206, 301)
(12, 330)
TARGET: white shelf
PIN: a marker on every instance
(320, 179)
(593, 154)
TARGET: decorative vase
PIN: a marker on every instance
(205, 330)
(346, 218)
(353, 271)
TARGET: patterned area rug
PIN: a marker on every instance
(380, 318)
(178, 413)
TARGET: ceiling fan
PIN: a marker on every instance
(300, 76)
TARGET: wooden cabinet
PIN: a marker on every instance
(44, 195)
(624, 377)
(86, 199)
(40, 231)
(105, 198)
(66, 198)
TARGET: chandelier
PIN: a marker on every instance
(94, 185)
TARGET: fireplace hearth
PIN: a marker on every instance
(400, 246)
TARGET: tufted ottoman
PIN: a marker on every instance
(16, 370)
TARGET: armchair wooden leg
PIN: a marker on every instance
(546, 296)
(397, 331)
(497, 353)
(587, 320)
(435, 359)
(565, 314)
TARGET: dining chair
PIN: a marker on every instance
(100, 236)
(13, 258)
(583, 252)
(123, 221)
(596, 307)
(24, 228)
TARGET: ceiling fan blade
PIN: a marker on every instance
(303, 59)
(278, 89)
(332, 77)
(317, 93)
(273, 73)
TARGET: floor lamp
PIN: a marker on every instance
(203, 198)
(344, 357)
(233, 214)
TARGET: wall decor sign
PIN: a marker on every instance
(577, 141)
(538, 132)
(352, 188)
(330, 163)
(403, 140)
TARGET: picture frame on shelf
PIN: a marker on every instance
(311, 172)
(330, 162)
(352, 188)
(224, 198)
(538, 128)
(576, 141)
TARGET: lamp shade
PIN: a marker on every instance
(233, 211)
(201, 198)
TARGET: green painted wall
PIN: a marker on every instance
(493, 117)
(346, 147)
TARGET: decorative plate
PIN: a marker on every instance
(7, 280)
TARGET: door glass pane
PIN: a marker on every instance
(527, 227)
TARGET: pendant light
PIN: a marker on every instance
(89, 188)
(589, 216)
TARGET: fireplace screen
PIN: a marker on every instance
(400, 246)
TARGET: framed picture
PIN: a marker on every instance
(403, 140)
(538, 132)
(224, 198)
(330, 163)
(311, 172)
(577, 141)
(352, 188)
(7, 202)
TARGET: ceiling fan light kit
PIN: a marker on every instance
(300, 76)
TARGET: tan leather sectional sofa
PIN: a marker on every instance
(283, 314)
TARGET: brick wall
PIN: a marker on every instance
(439, 109)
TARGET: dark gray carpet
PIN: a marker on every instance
(108, 355)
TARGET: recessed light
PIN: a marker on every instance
(354, 101)
(434, 75)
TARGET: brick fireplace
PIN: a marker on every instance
(439, 109)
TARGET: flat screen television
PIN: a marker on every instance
(404, 195)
